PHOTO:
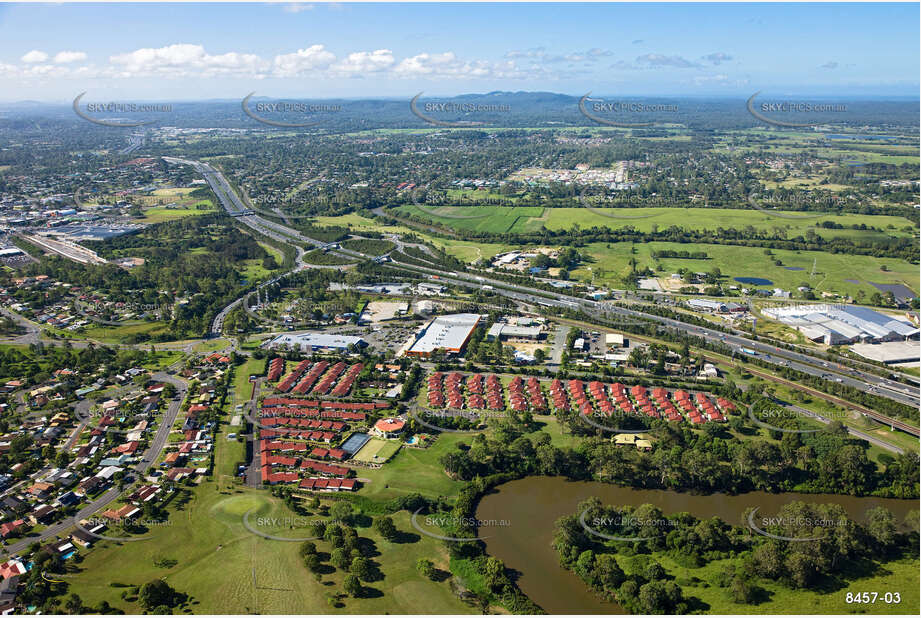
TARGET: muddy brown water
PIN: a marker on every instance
(531, 507)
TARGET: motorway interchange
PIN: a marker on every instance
(850, 375)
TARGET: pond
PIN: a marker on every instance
(753, 280)
(532, 505)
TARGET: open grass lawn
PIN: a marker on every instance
(275, 253)
(228, 570)
(242, 387)
(117, 334)
(159, 214)
(414, 470)
(252, 270)
(162, 360)
(211, 345)
(497, 219)
(832, 270)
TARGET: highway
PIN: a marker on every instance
(780, 357)
(147, 459)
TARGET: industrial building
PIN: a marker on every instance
(306, 342)
(715, 306)
(842, 324)
(447, 332)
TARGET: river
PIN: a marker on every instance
(531, 507)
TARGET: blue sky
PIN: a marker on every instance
(52, 52)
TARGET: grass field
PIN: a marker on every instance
(376, 450)
(156, 211)
(117, 334)
(611, 264)
(414, 470)
(500, 220)
(211, 345)
(228, 570)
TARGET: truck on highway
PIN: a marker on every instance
(748, 351)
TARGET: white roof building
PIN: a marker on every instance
(322, 341)
(447, 332)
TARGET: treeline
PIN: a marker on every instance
(832, 545)
(684, 255)
(713, 460)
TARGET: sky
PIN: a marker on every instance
(184, 52)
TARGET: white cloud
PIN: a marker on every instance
(184, 59)
(303, 60)
(448, 65)
(358, 63)
(35, 56)
(65, 57)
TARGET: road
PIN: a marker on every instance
(150, 455)
(861, 380)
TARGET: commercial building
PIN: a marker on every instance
(447, 332)
(510, 332)
(842, 324)
(306, 342)
(891, 353)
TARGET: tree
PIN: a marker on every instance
(74, 604)
(494, 571)
(426, 568)
(385, 528)
(361, 567)
(881, 527)
(312, 562)
(352, 586)
(341, 558)
(156, 593)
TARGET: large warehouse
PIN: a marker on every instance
(841, 324)
(306, 342)
(447, 332)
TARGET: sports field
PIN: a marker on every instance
(376, 451)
